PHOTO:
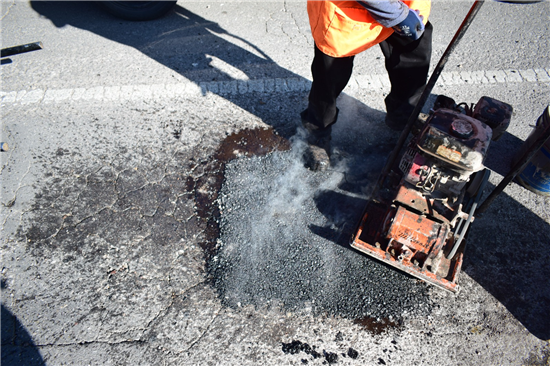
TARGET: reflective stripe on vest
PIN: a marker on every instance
(345, 28)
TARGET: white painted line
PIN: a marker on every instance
(528, 75)
(9, 97)
(542, 75)
(241, 87)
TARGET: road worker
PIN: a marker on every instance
(341, 30)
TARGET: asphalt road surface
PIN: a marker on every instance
(155, 209)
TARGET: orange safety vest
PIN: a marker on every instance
(345, 28)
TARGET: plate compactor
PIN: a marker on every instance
(418, 219)
(424, 202)
(428, 193)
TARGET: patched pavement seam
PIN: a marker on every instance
(273, 85)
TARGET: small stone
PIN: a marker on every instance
(353, 353)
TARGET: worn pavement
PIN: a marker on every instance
(155, 210)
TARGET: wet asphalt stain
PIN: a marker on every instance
(376, 326)
(151, 192)
(114, 203)
(295, 347)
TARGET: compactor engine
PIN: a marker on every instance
(420, 225)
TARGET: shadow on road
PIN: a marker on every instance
(194, 47)
(18, 348)
(507, 254)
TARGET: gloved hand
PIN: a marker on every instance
(412, 27)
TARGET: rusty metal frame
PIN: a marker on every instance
(373, 235)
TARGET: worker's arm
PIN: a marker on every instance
(395, 14)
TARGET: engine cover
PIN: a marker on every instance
(460, 142)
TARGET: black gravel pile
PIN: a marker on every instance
(284, 233)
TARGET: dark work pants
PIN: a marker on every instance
(407, 64)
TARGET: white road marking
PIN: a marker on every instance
(275, 85)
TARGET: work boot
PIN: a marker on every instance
(317, 153)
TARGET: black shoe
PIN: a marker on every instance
(316, 158)
(317, 153)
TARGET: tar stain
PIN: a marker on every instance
(245, 143)
(376, 326)
(297, 346)
(331, 357)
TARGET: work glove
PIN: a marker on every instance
(412, 27)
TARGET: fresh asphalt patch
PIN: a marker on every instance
(284, 233)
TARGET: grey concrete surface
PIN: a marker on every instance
(134, 232)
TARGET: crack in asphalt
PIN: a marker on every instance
(173, 296)
(11, 202)
(296, 23)
(118, 196)
(159, 200)
(85, 343)
(8, 9)
(206, 330)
